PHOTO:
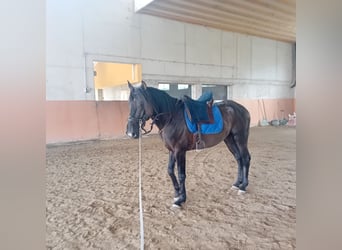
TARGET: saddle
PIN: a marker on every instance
(199, 112)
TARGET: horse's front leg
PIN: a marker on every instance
(171, 172)
(180, 158)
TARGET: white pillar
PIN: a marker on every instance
(196, 91)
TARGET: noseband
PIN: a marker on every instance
(142, 123)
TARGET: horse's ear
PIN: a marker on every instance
(143, 84)
(130, 85)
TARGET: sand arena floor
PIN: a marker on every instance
(92, 196)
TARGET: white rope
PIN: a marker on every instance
(140, 195)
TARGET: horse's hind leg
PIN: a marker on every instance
(246, 158)
(171, 172)
(237, 144)
(229, 141)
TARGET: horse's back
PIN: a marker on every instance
(235, 113)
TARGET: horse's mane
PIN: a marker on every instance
(162, 101)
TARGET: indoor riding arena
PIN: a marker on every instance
(98, 177)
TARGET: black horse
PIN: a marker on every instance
(167, 113)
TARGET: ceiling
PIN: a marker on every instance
(274, 19)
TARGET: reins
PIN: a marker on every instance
(142, 126)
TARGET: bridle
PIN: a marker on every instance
(142, 123)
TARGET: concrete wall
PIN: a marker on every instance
(80, 32)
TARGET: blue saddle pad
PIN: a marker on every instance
(213, 128)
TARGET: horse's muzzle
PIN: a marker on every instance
(132, 129)
(132, 135)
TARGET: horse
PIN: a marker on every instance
(167, 113)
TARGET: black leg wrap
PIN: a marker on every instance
(182, 192)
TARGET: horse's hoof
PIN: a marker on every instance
(234, 188)
(241, 192)
(176, 206)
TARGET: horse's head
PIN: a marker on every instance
(140, 109)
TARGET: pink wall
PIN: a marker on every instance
(83, 120)
(273, 109)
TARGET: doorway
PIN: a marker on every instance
(110, 80)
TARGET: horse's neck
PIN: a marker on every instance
(164, 104)
(164, 109)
